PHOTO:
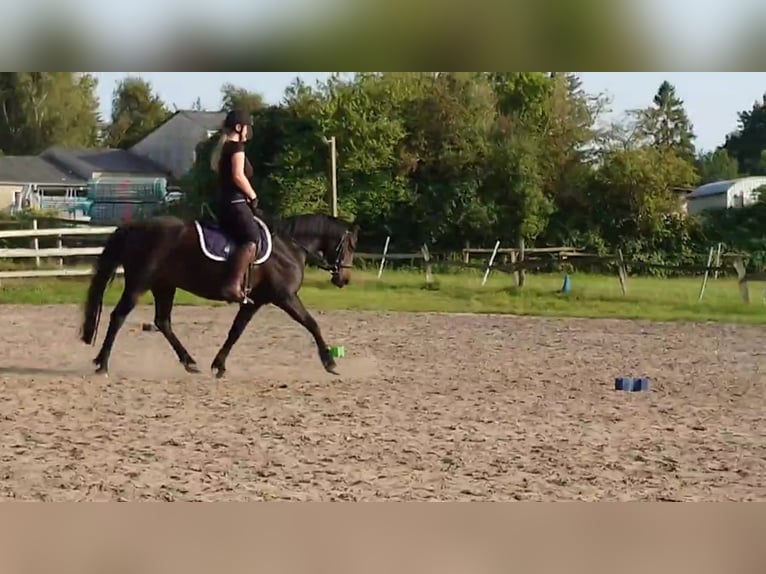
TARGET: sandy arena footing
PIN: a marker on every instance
(428, 406)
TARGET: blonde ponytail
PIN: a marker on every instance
(215, 157)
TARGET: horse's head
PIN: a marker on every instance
(343, 256)
(329, 239)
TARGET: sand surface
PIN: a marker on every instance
(427, 407)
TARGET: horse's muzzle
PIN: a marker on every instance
(339, 281)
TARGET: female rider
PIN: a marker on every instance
(237, 199)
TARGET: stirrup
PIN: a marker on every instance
(246, 300)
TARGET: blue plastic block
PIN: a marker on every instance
(631, 385)
(567, 286)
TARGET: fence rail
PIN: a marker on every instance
(60, 252)
(57, 232)
(521, 259)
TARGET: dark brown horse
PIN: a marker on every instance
(165, 253)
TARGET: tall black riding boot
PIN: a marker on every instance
(232, 290)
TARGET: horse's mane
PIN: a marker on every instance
(309, 223)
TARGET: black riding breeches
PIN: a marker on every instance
(236, 218)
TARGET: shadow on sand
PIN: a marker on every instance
(43, 371)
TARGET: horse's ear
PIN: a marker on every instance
(355, 229)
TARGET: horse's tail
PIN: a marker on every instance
(105, 270)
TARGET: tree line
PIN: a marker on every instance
(41, 109)
(449, 158)
(444, 158)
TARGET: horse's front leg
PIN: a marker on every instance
(293, 306)
(244, 315)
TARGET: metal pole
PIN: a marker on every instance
(334, 174)
(383, 260)
(491, 263)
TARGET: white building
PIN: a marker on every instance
(725, 194)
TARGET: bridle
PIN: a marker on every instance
(340, 253)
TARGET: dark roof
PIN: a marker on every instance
(34, 169)
(83, 162)
(209, 120)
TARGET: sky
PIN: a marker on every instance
(712, 99)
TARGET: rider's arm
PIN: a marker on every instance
(238, 171)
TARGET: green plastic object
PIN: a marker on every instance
(338, 352)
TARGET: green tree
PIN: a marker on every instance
(666, 125)
(632, 191)
(136, 112)
(515, 181)
(748, 143)
(40, 109)
(716, 165)
(235, 97)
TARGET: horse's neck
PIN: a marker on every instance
(310, 241)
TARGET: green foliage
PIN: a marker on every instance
(717, 165)
(665, 124)
(136, 112)
(748, 143)
(450, 157)
(41, 109)
(740, 229)
(240, 98)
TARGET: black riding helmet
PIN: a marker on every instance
(235, 117)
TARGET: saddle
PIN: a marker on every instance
(217, 245)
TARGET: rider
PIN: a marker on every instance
(237, 198)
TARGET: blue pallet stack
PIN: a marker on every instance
(632, 385)
(116, 200)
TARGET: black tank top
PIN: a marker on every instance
(228, 189)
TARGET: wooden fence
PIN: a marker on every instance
(523, 259)
(59, 252)
(520, 258)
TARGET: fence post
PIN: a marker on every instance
(739, 266)
(622, 272)
(36, 243)
(60, 245)
(490, 263)
(385, 252)
(707, 273)
(717, 260)
(427, 259)
(515, 272)
(521, 257)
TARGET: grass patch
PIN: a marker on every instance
(590, 296)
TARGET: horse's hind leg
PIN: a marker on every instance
(128, 300)
(163, 306)
(293, 306)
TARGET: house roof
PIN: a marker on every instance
(714, 188)
(83, 162)
(34, 169)
(721, 187)
(209, 120)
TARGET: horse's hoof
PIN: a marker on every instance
(102, 371)
(332, 368)
(191, 368)
(220, 373)
(217, 370)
